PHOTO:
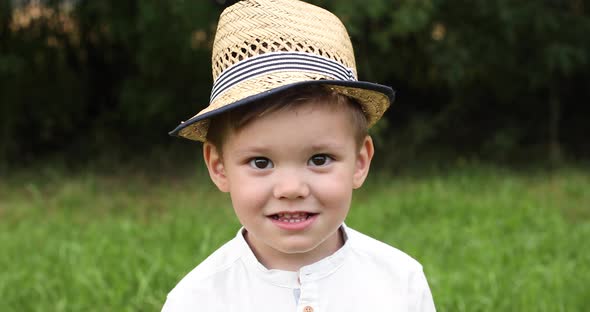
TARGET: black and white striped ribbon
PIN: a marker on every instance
(279, 61)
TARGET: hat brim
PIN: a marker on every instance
(356, 89)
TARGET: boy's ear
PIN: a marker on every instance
(363, 162)
(215, 166)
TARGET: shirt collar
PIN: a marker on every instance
(289, 279)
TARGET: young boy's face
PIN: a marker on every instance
(290, 175)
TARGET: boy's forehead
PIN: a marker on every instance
(318, 124)
(296, 107)
(299, 112)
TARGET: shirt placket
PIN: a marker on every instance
(309, 297)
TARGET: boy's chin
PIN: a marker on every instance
(298, 249)
(305, 247)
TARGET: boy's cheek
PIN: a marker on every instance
(333, 190)
(249, 192)
(343, 178)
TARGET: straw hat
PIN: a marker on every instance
(263, 47)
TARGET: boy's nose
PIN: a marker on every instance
(290, 185)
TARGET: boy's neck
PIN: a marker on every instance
(275, 260)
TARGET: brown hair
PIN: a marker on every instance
(222, 125)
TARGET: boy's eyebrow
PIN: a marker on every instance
(252, 149)
(261, 149)
(327, 146)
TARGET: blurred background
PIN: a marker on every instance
(496, 80)
(488, 136)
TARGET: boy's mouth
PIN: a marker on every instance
(292, 217)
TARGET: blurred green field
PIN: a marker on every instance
(490, 239)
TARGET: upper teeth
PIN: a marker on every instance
(296, 215)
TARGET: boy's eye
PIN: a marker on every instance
(261, 163)
(319, 160)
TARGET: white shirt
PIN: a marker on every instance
(363, 275)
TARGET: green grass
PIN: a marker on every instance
(489, 239)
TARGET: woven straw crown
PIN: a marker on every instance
(263, 47)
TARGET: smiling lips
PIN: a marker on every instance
(291, 217)
(293, 220)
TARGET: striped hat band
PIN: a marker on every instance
(277, 62)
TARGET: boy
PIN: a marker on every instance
(285, 134)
